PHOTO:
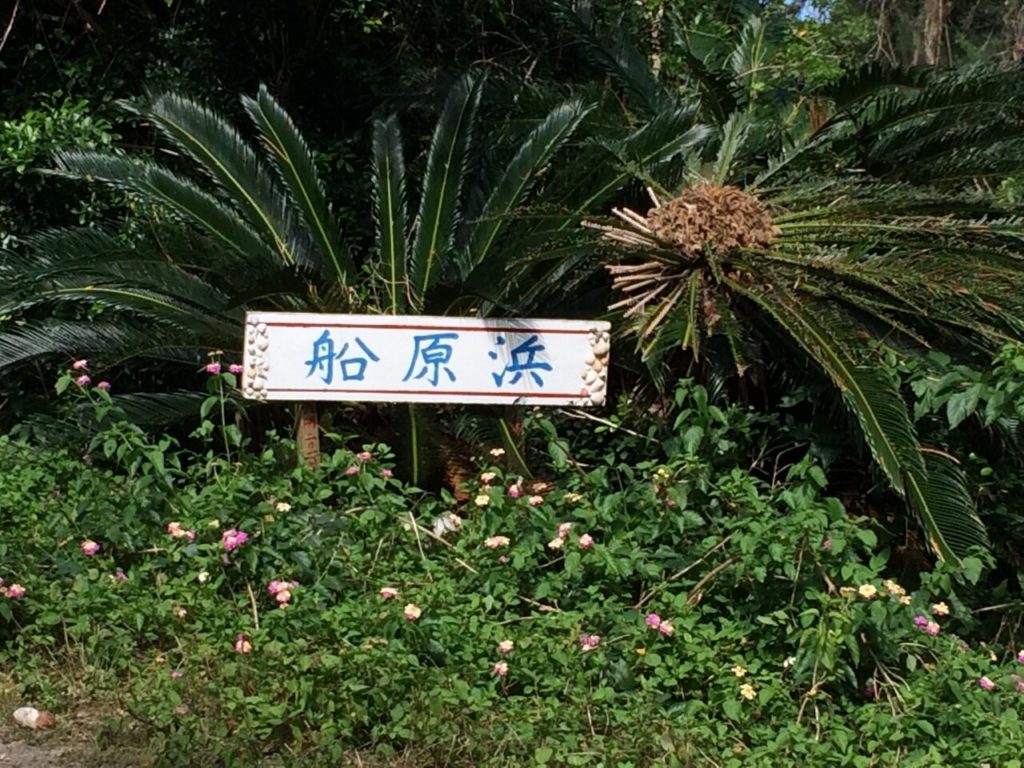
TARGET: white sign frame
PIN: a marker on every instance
(546, 362)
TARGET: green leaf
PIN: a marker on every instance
(732, 709)
(692, 438)
(442, 186)
(294, 161)
(938, 498)
(972, 567)
(734, 133)
(221, 152)
(961, 405)
(207, 406)
(533, 154)
(389, 209)
(181, 194)
(543, 755)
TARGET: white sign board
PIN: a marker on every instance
(401, 358)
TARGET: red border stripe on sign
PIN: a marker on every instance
(426, 392)
(510, 329)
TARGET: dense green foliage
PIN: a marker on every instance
(804, 219)
(691, 613)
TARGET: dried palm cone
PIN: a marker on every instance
(704, 219)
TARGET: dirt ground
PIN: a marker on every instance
(37, 753)
(71, 744)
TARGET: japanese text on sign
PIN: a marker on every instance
(299, 356)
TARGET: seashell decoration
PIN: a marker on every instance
(595, 372)
(254, 378)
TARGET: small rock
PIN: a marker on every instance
(30, 717)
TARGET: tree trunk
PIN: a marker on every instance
(933, 28)
(1014, 21)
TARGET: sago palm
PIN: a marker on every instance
(827, 228)
(230, 226)
(761, 256)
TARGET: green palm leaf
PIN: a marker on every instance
(389, 209)
(294, 162)
(534, 153)
(442, 187)
(176, 192)
(874, 398)
(221, 152)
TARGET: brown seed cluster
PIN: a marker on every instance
(724, 218)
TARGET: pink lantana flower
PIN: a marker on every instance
(505, 647)
(234, 368)
(667, 628)
(80, 365)
(535, 501)
(89, 547)
(1020, 657)
(177, 532)
(920, 621)
(652, 620)
(364, 456)
(496, 542)
(564, 529)
(213, 368)
(500, 668)
(104, 385)
(242, 644)
(586, 541)
(233, 539)
(388, 593)
(282, 591)
(386, 473)
(83, 380)
(588, 642)
(352, 471)
(987, 684)
(932, 628)
(120, 575)
(15, 591)
(826, 544)
(515, 491)
(412, 611)
(487, 478)
(177, 673)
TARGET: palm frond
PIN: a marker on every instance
(222, 153)
(442, 186)
(176, 192)
(619, 59)
(734, 133)
(389, 210)
(533, 154)
(294, 162)
(874, 398)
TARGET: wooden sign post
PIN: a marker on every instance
(414, 359)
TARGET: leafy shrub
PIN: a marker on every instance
(678, 611)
